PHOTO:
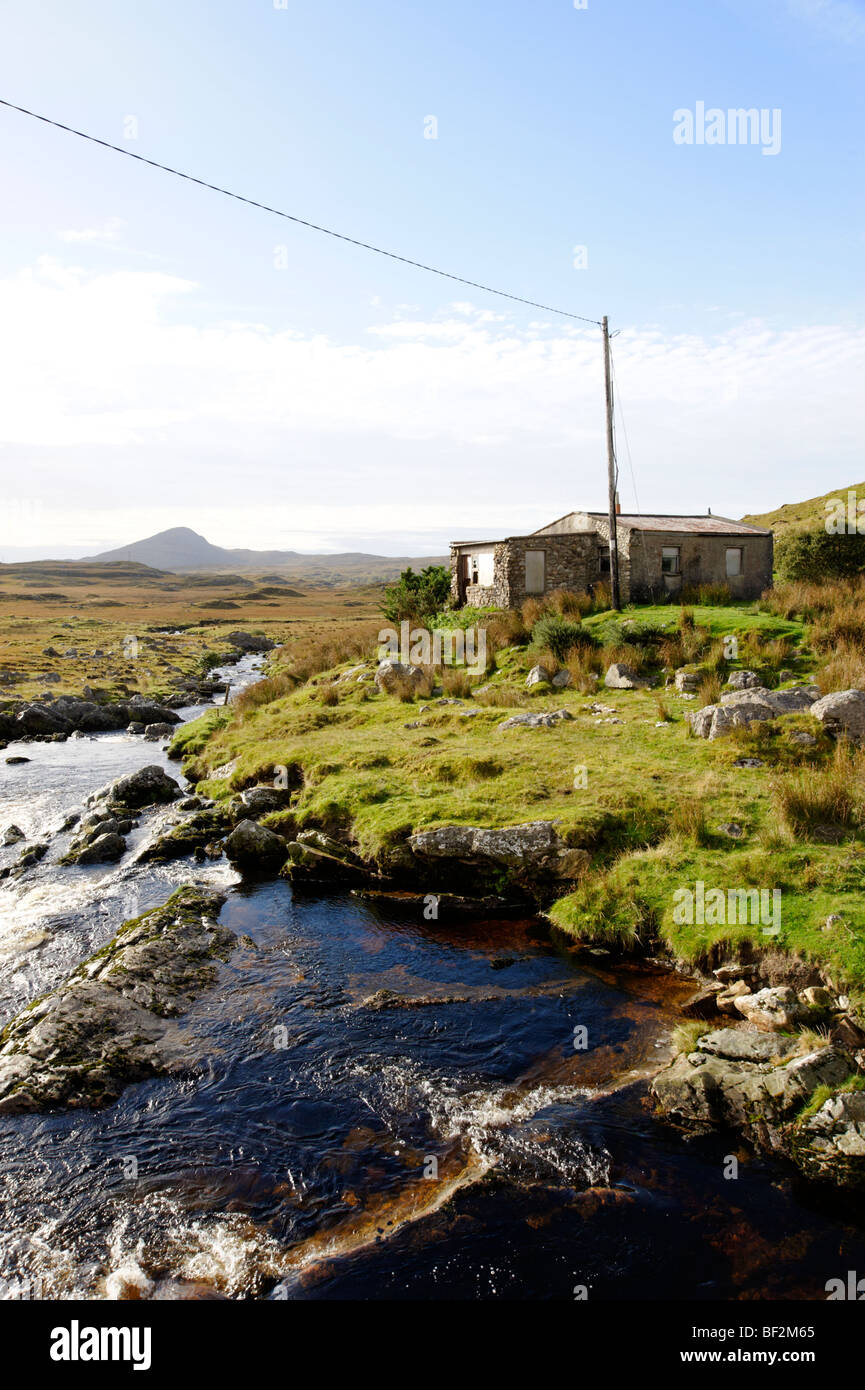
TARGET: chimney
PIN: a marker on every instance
(618, 506)
(709, 512)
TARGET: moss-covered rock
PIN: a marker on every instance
(108, 1024)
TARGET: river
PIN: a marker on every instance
(320, 1147)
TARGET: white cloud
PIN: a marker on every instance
(109, 230)
(123, 412)
(838, 19)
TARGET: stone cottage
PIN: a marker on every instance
(658, 555)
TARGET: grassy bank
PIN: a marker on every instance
(658, 809)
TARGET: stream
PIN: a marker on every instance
(319, 1147)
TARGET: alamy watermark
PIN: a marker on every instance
(702, 906)
(735, 126)
(420, 647)
(845, 517)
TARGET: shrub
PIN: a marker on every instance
(818, 554)
(560, 635)
(417, 597)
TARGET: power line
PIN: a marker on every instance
(327, 231)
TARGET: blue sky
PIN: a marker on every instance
(173, 358)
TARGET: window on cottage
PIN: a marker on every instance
(604, 562)
(734, 562)
(535, 571)
(670, 556)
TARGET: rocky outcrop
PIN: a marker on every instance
(319, 858)
(842, 714)
(739, 708)
(532, 848)
(250, 642)
(69, 713)
(108, 1024)
(829, 1144)
(763, 1084)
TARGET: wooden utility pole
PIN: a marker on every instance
(611, 471)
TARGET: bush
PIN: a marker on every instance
(818, 554)
(417, 597)
(560, 635)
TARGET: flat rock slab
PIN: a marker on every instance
(743, 1045)
(109, 1023)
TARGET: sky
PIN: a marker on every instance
(170, 357)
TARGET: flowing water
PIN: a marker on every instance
(318, 1146)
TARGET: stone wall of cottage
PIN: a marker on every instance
(702, 560)
(570, 562)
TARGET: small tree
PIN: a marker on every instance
(417, 596)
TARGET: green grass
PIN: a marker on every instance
(651, 812)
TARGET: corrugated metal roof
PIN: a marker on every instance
(691, 525)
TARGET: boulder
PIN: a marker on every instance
(251, 846)
(391, 674)
(42, 719)
(157, 731)
(13, 834)
(103, 849)
(145, 712)
(148, 786)
(538, 675)
(743, 680)
(842, 714)
(562, 679)
(620, 676)
(771, 1010)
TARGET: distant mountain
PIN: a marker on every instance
(803, 516)
(180, 549)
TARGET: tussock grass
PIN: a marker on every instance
(686, 1034)
(830, 796)
(709, 692)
